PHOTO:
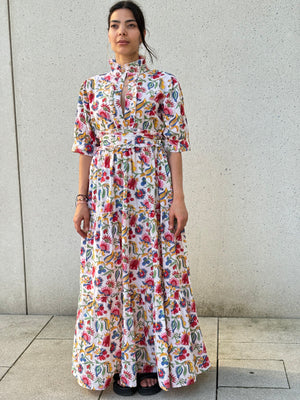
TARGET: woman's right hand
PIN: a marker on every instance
(82, 213)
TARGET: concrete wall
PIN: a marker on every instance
(238, 65)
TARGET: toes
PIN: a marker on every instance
(148, 382)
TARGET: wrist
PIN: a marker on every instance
(178, 196)
(81, 203)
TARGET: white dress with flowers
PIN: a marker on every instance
(136, 311)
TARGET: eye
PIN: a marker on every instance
(132, 25)
(114, 26)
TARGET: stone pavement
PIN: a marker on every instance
(252, 358)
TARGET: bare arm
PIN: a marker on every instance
(82, 212)
(178, 209)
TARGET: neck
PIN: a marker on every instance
(120, 59)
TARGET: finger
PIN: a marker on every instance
(86, 223)
(179, 228)
(77, 226)
(171, 221)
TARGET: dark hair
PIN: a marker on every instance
(140, 20)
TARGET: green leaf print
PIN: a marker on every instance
(138, 354)
(179, 371)
(129, 323)
(139, 315)
(98, 370)
(89, 253)
(117, 274)
(173, 325)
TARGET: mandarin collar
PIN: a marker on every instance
(132, 68)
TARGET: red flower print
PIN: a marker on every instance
(175, 309)
(182, 109)
(89, 148)
(183, 355)
(168, 111)
(133, 220)
(146, 238)
(104, 246)
(118, 181)
(173, 80)
(104, 114)
(108, 207)
(86, 380)
(91, 97)
(185, 278)
(106, 161)
(132, 183)
(106, 290)
(157, 74)
(149, 282)
(166, 384)
(115, 311)
(86, 337)
(147, 204)
(194, 321)
(100, 311)
(193, 306)
(169, 237)
(159, 97)
(174, 282)
(98, 282)
(190, 381)
(185, 339)
(158, 288)
(178, 248)
(134, 264)
(164, 337)
(106, 341)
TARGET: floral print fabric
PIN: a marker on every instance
(136, 311)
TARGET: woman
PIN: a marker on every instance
(136, 319)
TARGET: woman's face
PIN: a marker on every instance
(124, 35)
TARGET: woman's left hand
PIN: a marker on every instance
(179, 212)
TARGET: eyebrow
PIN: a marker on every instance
(128, 20)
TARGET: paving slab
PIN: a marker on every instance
(209, 328)
(203, 388)
(43, 372)
(3, 371)
(60, 327)
(252, 374)
(256, 394)
(16, 333)
(259, 330)
(290, 353)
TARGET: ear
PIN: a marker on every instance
(144, 37)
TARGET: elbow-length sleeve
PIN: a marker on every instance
(176, 132)
(84, 136)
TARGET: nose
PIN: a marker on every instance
(122, 30)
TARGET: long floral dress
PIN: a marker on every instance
(136, 311)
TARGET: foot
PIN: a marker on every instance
(121, 383)
(144, 382)
(148, 382)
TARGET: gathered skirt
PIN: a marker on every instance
(136, 310)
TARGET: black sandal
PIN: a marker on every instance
(147, 390)
(122, 390)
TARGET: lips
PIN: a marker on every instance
(123, 42)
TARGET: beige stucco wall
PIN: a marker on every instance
(238, 63)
